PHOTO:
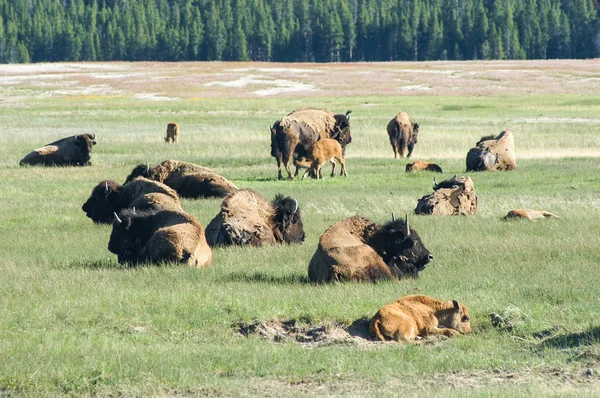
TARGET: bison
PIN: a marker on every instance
(157, 237)
(71, 151)
(357, 249)
(421, 165)
(414, 317)
(247, 218)
(529, 214)
(455, 196)
(493, 153)
(172, 134)
(296, 132)
(188, 179)
(321, 152)
(109, 197)
(403, 134)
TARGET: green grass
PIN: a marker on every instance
(68, 309)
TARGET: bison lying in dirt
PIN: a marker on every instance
(417, 316)
(421, 165)
(70, 151)
(451, 197)
(158, 237)
(403, 134)
(321, 152)
(109, 197)
(188, 179)
(529, 214)
(493, 153)
(246, 218)
(357, 249)
(172, 134)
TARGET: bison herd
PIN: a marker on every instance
(150, 226)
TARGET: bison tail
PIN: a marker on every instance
(374, 329)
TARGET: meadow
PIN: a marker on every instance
(73, 321)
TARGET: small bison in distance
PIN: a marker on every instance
(172, 134)
(529, 214)
(418, 316)
(403, 134)
(493, 153)
(109, 197)
(71, 151)
(357, 249)
(321, 152)
(247, 218)
(421, 165)
(158, 237)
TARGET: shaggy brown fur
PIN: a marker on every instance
(172, 134)
(69, 151)
(321, 152)
(493, 154)
(529, 214)
(321, 121)
(455, 196)
(421, 165)
(402, 134)
(417, 316)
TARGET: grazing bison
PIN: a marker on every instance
(246, 218)
(321, 152)
(493, 153)
(421, 165)
(294, 134)
(455, 196)
(357, 249)
(71, 151)
(188, 179)
(529, 214)
(403, 134)
(417, 316)
(172, 133)
(109, 197)
(158, 237)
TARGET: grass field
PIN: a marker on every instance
(73, 321)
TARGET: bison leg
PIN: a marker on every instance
(333, 164)
(343, 163)
(411, 146)
(279, 176)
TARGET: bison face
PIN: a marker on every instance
(415, 133)
(460, 320)
(103, 202)
(123, 241)
(141, 170)
(287, 220)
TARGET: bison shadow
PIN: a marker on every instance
(106, 263)
(261, 277)
(572, 340)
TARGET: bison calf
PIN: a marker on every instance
(172, 132)
(421, 165)
(412, 317)
(529, 214)
(321, 152)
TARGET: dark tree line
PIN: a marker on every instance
(297, 30)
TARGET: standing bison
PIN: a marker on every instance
(293, 135)
(321, 152)
(247, 218)
(357, 249)
(71, 151)
(493, 153)
(172, 134)
(455, 196)
(158, 237)
(188, 179)
(403, 134)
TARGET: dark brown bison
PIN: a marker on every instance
(109, 197)
(455, 196)
(158, 237)
(357, 249)
(493, 153)
(71, 151)
(172, 134)
(293, 135)
(403, 134)
(421, 165)
(188, 179)
(247, 218)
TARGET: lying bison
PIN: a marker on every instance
(109, 197)
(421, 165)
(172, 134)
(493, 153)
(403, 134)
(294, 134)
(246, 218)
(357, 249)
(188, 179)
(529, 214)
(70, 151)
(417, 316)
(158, 237)
(451, 197)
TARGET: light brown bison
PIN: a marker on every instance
(158, 237)
(109, 197)
(321, 152)
(529, 214)
(172, 134)
(357, 249)
(403, 134)
(70, 151)
(493, 153)
(188, 179)
(421, 165)
(455, 196)
(247, 218)
(417, 316)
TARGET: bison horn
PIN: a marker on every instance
(133, 210)
(434, 182)
(117, 219)
(295, 206)
(406, 227)
(93, 136)
(147, 168)
(106, 186)
(393, 217)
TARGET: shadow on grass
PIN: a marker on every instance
(359, 328)
(572, 340)
(261, 277)
(97, 264)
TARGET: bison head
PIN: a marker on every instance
(123, 240)
(341, 130)
(460, 320)
(84, 144)
(103, 202)
(141, 170)
(415, 133)
(287, 220)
